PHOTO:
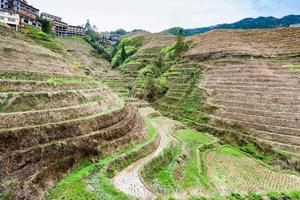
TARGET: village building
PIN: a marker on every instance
(10, 18)
(3, 4)
(61, 28)
(27, 13)
(75, 30)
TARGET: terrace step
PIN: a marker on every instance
(258, 106)
(261, 127)
(10, 74)
(279, 115)
(260, 89)
(24, 137)
(259, 119)
(277, 145)
(281, 146)
(253, 76)
(176, 94)
(286, 139)
(252, 80)
(13, 161)
(247, 66)
(256, 84)
(249, 71)
(32, 118)
(26, 101)
(105, 143)
(258, 94)
(255, 99)
(27, 86)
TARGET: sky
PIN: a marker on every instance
(158, 15)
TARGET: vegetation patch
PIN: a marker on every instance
(190, 172)
(44, 39)
(293, 67)
(4, 100)
(92, 180)
(94, 39)
(159, 172)
(126, 48)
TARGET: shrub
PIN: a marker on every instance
(177, 49)
(91, 38)
(46, 26)
(125, 48)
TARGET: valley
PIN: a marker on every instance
(212, 116)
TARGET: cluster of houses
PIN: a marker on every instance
(16, 13)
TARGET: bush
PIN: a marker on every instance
(46, 26)
(44, 39)
(177, 49)
(125, 48)
(155, 88)
(91, 38)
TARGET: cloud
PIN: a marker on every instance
(157, 15)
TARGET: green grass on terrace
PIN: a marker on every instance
(89, 181)
(44, 39)
(293, 67)
(193, 140)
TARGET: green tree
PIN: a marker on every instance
(123, 54)
(46, 26)
(180, 45)
(88, 25)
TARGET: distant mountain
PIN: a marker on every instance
(247, 23)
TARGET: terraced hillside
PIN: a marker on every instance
(196, 165)
(52, 115)
(237, 84)
(258, 85)
(144, 49)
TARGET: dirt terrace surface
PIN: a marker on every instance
(262, 95)
(267, 43)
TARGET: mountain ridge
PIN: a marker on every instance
(246, 23)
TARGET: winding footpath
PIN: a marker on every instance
(128, 180)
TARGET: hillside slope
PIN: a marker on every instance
(55, 111)
(242, 85)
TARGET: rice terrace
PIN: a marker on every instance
(209, 113)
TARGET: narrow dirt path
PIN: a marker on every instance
(128, 180)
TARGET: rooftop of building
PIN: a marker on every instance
(50, 15)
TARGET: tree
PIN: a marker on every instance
(88, 26)
(180, 45)
(95, 28)
(46, 26)
(120, 32)
(123, 54)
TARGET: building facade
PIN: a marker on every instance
(75, 30)
(50, 17)
(10, 18)
(3, 4)
(27, 14)
(61, 28)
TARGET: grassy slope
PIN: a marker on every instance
(193, 140)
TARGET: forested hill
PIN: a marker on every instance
(247, 23)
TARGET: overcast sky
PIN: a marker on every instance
(158, 15)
